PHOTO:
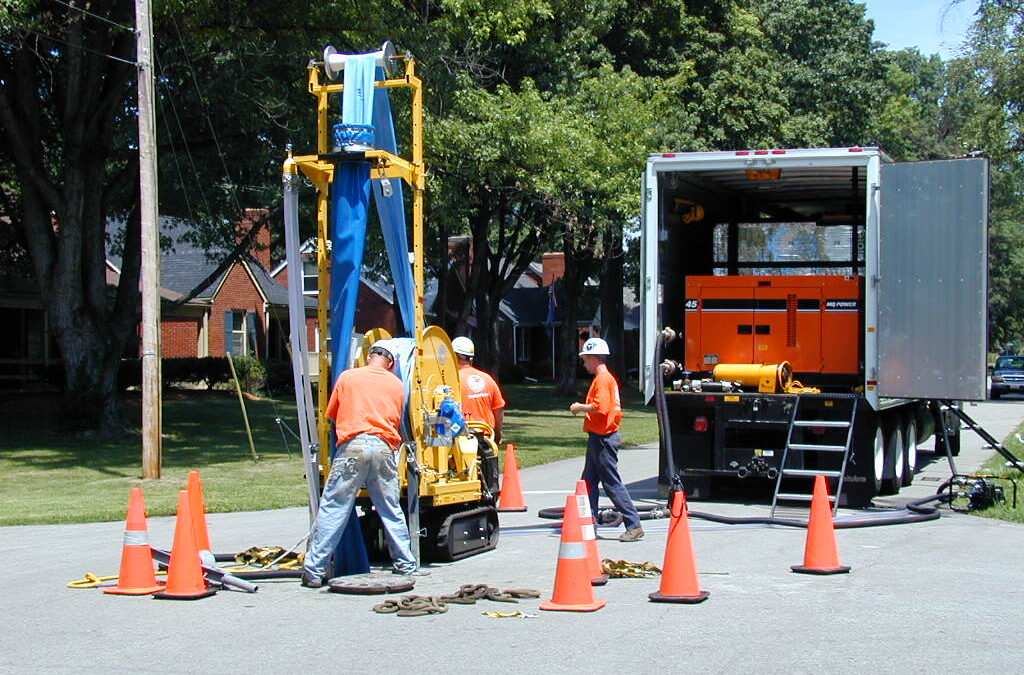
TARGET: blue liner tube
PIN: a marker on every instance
(391, 211)
(350, 199)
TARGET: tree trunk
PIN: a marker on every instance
(58, 124)
(578, 248)
(612, 313)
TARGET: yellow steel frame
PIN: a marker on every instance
(384, 164)
(449, 474)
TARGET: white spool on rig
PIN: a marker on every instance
(334, 63)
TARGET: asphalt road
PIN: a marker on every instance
(923, 597)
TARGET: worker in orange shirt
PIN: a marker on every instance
(366, 405)
(603, 413)
(482, 400)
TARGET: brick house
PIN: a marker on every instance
(243, 311)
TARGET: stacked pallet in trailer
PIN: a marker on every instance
(858, 284)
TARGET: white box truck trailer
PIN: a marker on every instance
(822, 301)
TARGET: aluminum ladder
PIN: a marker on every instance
(822, 441)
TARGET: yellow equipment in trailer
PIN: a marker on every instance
(454, 480)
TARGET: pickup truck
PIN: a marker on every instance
(1007, 376)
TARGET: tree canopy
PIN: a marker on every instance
(539, 117)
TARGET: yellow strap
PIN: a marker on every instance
(90, 580)
(625, 568)
(509, 615)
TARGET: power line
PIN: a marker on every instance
(206, 111)
(79, 47)
(130, 29)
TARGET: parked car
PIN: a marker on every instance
(1007, 376)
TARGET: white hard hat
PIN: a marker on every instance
(595, 346)
(387, 347)
(463, 345)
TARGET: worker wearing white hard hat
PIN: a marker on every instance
(596, 347)
(482, 400)
(603, 411)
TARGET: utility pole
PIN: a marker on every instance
(149, 211)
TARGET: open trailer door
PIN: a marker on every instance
(933, 280)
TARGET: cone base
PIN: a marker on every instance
(184, 596)
(511, 509)
(599, 581)
(803, 569)
(658, 596)
(553, 606)
(117, 590)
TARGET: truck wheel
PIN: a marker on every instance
(865, 466)
(878, 460)
(909, 448)
(892, 476)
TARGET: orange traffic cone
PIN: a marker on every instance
(185, 579)
(136, 576)
(197, 505)
(589, 533)
(573, 592)
(679, 571)
(511, 498)
(821, 553)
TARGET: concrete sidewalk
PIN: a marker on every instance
(921, 597)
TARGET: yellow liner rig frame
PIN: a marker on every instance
(454, 481)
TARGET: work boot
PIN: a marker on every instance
(632, 534)
(415, 572)
(310, 580)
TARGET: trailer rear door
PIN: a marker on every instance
(932, 279)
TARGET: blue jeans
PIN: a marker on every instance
(602, 465)
(363, 459)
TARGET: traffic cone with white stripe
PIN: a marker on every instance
(589, 534)
(679, 581)
(197, 506)
(185, 579)
(136, 576)
(573, 592)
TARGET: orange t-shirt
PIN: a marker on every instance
(367, 400)
(604, 396)
(481, 395)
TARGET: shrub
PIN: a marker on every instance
(252, 373)
(280, 381)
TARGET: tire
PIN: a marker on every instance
(892, 476)
(910, 442)
(994, 395)
(878, 460)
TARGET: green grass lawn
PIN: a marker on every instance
(996, 466)
(49, 475)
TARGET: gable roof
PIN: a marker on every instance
(184, 265)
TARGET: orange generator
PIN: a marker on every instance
(814, 322)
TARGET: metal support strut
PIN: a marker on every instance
(976, 428)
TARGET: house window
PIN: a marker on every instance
(240, 333)
(310, 276)
(236, 333)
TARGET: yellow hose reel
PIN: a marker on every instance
(768, 379)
